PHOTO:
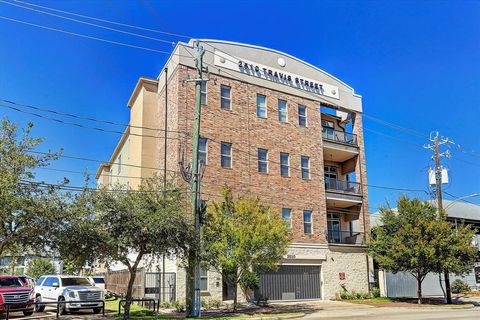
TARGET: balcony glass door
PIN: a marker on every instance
(333, 225)
(330, 173)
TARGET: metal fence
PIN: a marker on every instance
(160, 286)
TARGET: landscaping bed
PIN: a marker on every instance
(409, 302)
(242, 312)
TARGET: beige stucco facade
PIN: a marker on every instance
(331, 249)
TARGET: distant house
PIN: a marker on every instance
(17, 265)
(403, 284)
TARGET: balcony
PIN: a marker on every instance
(338, 145)
(339, 136)
(345, 237)
(342, 194)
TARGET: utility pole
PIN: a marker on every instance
(438, 182)
(193, 269)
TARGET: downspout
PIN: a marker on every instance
(162, 291)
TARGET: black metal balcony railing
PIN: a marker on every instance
(339, 136)
(343, 186)
(345, 237)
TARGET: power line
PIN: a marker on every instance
(104, 20)
(85, 36)
(90, 24)
(71, 115)
(81, 125)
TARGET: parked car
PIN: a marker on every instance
(27, 281)
(98, 281)
(77, 292)
(15, 296)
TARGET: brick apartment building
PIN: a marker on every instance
(272, 125)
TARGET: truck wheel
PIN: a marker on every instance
(97, 310)
(39, 307)
(27, 313)
(62, 308)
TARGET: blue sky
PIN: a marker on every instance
(414, 62)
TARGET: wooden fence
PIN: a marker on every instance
(117, 282)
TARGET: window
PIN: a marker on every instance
(203, 279)
(225, 97)
(226, 155)
(119, 168)
(39, 281)
(333, 227)
(307, 221)
(302, 116)
(328, 129)
(50, 281)
(202, 150)
(330, 173)
(287, 216)
(262, 160)
(305, 162)
(282, 111)
(261, 106)
(203, 93)
(284, 164)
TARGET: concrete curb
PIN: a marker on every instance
(301, 315)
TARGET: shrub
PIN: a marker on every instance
(179, 306)
(165, 305)
(216, 304)
(375, 293)
(345, 295)
(40, 267)
(205, 304)
(459, 286)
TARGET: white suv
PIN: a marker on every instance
(77, 291)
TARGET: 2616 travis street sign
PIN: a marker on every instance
(276, 75)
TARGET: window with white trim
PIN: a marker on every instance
(203, 279)
(261, 106)
(284, 164)
(262, 156)
(307, 221)
(287, 216)
(282, 111)
(225, 97)
(302, 115)
(203, 92)
(202, 150)
(226, 155)
(305, 164)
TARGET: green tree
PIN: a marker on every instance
(40, 267)
(415, 238)
(241, 237)
(125, 225)
(29, 211)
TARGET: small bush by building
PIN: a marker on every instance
(459, 286)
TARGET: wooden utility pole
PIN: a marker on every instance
(193, 269)
(438, 182)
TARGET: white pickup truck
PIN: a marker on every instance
(77, 292)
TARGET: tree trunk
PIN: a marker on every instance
(235, 296)
(419, 289)
(128, 297)
(131, 281)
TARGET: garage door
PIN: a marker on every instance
(290, 283)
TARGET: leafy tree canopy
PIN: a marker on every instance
(29, 211)
(40, 267)
(417, 239)
(241, 236)
(120, 224)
